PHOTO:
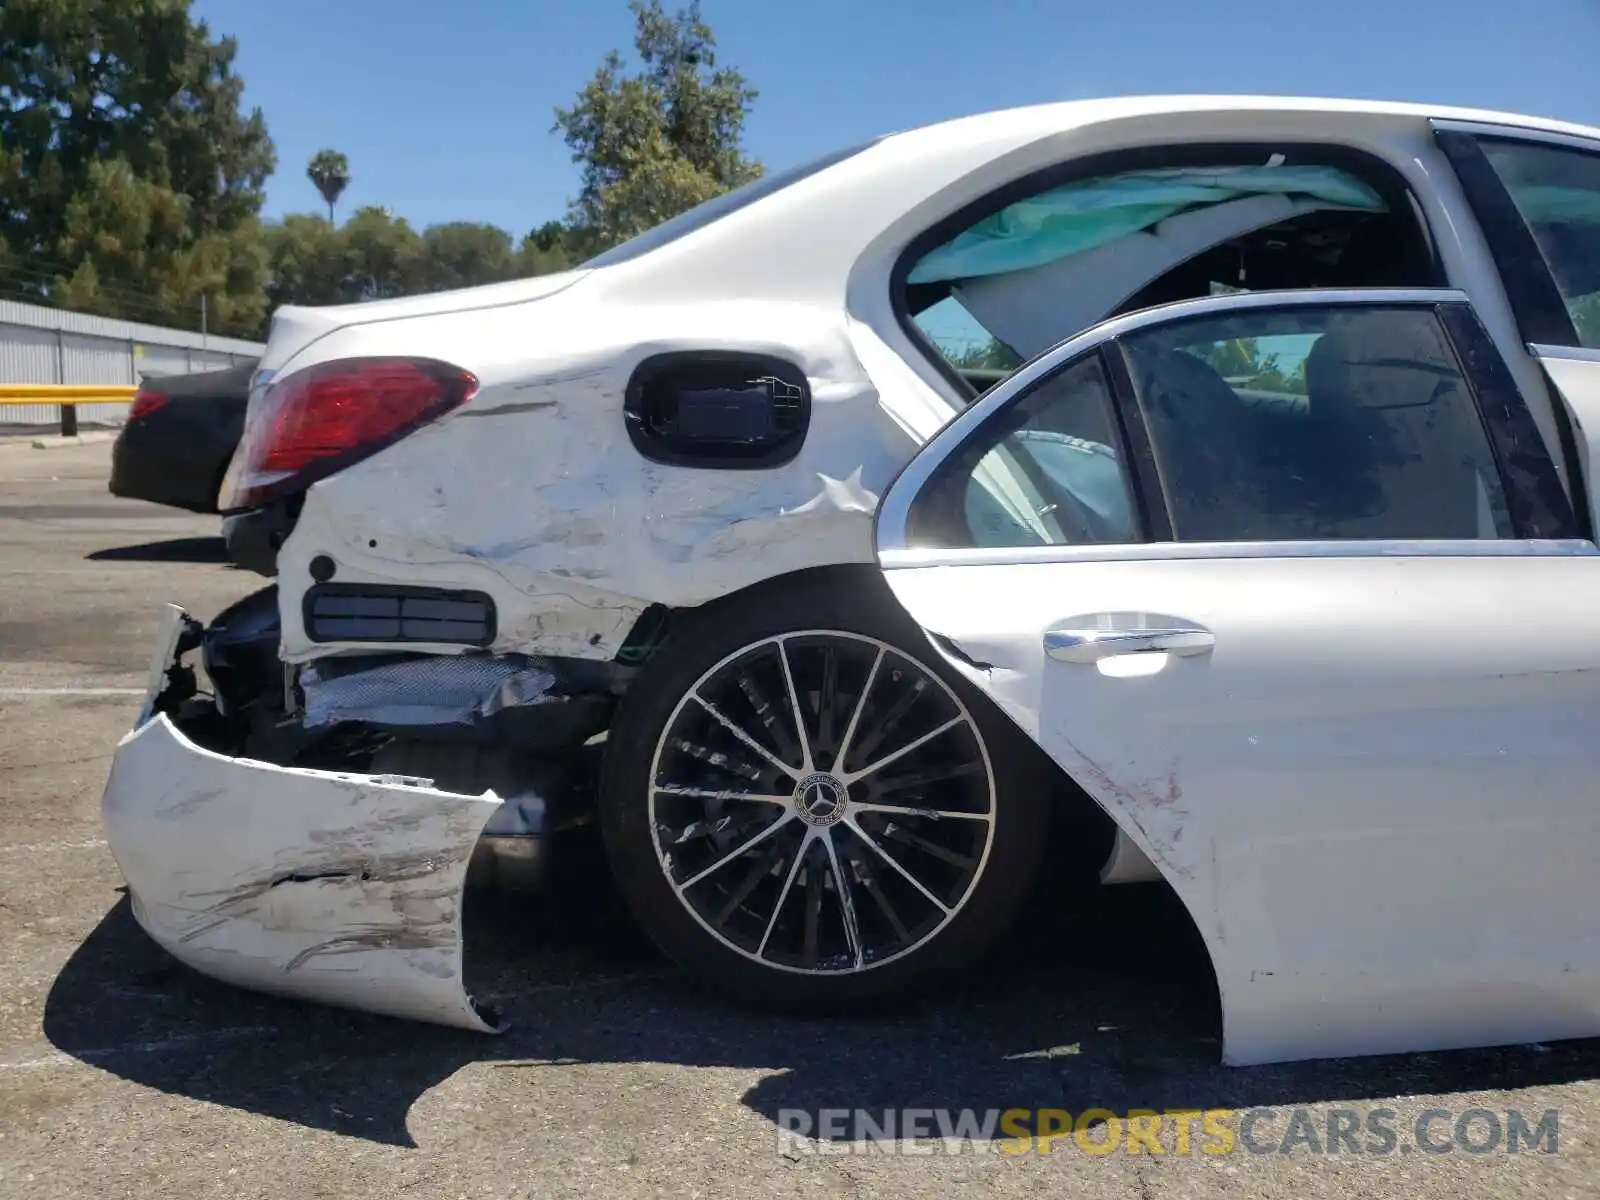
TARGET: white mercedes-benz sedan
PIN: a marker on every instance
(1195, 491)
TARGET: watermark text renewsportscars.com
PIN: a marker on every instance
(1176, 1132)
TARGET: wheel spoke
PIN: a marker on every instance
(826, 695)
(736, 852)
(855, 713)
(899, 833)
(698, 829)
(760, 869)
(909, 877)
(717, 759)
(814, 877)
(806, 766)
(869, 880)
(847, 904)
(916, 779)
(891, 719)
(705, 793)
(766, 712)
(852, 776)
(717, 715)
(772, 921)
(932, 814)
(728, 823)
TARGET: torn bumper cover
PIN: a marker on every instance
(329, 886)
(340, 888)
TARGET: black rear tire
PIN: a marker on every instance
(836, 616)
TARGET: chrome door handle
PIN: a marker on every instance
(1091, 645)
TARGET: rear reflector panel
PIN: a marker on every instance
(357, 612)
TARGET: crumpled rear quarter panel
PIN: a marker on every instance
(535, 494)
(344, 889)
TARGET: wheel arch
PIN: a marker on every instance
(1083, 838)
(1087, 847)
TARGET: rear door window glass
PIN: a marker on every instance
(1315, 424)
(1047, 471)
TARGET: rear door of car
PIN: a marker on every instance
(1326, 647)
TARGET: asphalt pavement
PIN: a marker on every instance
(124, 1074)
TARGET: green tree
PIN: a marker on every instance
(306, 261)
(463, 254)
(374, 256)
(383, 256)
(106, 103)
(329, 172)
(136, 258)
(1245, 363)
(553, 246)
(993, 355)
(662, 139)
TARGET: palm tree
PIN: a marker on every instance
(330, 172)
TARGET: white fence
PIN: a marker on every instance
(47, 345)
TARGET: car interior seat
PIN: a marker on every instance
(1392, 447)
(1214, 462)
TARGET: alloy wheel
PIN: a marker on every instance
(821, 802)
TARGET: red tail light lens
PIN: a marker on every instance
(318, 421)
(146, 402)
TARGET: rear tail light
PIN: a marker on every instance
(146, 402)
(318, 421)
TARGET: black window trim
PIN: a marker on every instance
(1536, 302)
(1371, 169)
(1539, 505)
(1540, 508)
(1141, 475)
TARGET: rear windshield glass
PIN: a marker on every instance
(720, 206)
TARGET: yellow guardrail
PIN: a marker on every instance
(67, 397)
(65, 393)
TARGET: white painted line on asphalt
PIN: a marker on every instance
(177, 1041)
(19, 693)
(24, 574)
(47, 847)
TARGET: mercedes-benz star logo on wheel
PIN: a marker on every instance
(820, 799)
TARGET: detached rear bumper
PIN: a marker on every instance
(339, 888)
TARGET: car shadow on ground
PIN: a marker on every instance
(173, 550)
(1108, 1003)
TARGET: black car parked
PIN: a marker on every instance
(181, 433)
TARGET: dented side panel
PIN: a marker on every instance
(1374, 795)
(534, 494)
(344, 889)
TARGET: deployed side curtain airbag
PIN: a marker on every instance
(1083, 216)
(1032, 310)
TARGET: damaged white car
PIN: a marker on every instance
(1164, 489)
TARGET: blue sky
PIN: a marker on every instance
(445, 106)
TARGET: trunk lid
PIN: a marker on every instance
(296, 327)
